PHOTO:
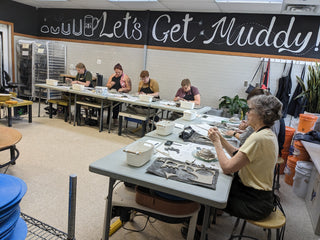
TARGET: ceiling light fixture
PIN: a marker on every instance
(133, 0)
(300, 8)
(249, 1)
(52, 0)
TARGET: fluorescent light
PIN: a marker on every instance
(249, 1)
(301, 8)
(133, 0)
(52, 0)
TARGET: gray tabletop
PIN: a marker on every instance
(58, 88)
(180, 124)
(115, 166)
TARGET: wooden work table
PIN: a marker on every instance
(20, 103)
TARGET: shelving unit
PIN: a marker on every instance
(40, 230)
(38, 61)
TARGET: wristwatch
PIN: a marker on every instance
(234, 133)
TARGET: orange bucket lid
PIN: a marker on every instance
(308, 116)
(292, 159)
(298, 143)
(290, 130)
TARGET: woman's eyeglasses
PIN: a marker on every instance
(249, 109)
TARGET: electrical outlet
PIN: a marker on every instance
(245, 84)
(98, 61)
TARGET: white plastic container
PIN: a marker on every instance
(52, 82)
(101, 90)
(189, 115)
(164, 128)
(186, 105)
(145, 98)
(139, 153)
(301, 178)
(78, 87)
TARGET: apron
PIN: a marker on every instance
(82, 78)
(117, 86)
(147, 90)
(189, 97)
(284, 91)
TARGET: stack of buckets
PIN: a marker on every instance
(286, 147)
(301, 178)
(306, 123)
(12, 189)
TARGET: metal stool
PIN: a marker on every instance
(276, 177)
(276, 220)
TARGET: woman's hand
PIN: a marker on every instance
(214, 135)
(229, 133)
(243, 125)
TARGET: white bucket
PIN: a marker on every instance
(301, 178)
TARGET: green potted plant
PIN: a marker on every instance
(311, 90)
(235, 105)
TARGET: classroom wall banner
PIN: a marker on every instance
(94, 25)
(285, 35)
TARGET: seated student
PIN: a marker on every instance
(120, 82)
(147, 85)
(253, 164)
(245, 130)
(83, 77)
(187, 92)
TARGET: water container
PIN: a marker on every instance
(301, 178)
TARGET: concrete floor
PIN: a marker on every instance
(51, 150)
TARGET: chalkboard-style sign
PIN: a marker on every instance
(94, 25)
(284, 35)
(24, 17)
(297, 36)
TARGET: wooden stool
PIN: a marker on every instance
(9, 137)
(95, 105)
(59, 102)
(276, 220)
(138, 118)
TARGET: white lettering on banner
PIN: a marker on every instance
(174, 31)
(63, 31)
(91, 24)
(280, 40)
(166, 30)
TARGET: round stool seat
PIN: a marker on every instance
(274, 220)
(9, 137)
(280, 160)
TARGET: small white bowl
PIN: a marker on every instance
(164, 128)
(189, 115)
(186, 105)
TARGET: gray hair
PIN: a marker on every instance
(269, 108)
